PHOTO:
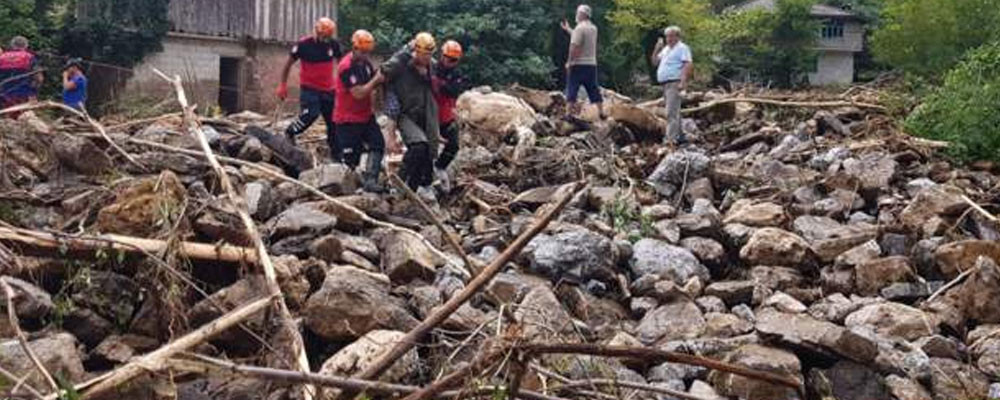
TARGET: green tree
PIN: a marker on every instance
(640, 22)
(119, 32)
(964, 110)
(769, 47)
(927, 37)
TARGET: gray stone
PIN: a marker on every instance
(906, 389)
(658, 212)
(667, 372)
(668, 230)
(765, 214)
(851, 381)
(675, 167)
(654, 257)
(703, 390)
(803, 331)
(709, 304)
(58, 353)
(30, 301)
(707, 250)
(909, 292)
(874, 170)
(300, 219)
(933, 202)
(955, 257)
(511, 287)
(813, 228)
(675, 321)
(731, 292)
(260, 201)
(332, 179)
(737, 235)
(915, 186)
(640, 306)
(873, 275)
(581, 254)
(353, 302)
(406, 258)
(785, 303)
(776, 278)
(951, 379)
(88, 327)
(113, 296)
(866, 251)
(939, 346)
(726, 325)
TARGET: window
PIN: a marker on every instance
(832, 28)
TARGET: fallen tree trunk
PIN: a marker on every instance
(43, 244)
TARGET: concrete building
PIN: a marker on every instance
(228, 52)
(841, 37)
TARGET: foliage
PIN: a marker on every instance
(868, 10)
(770, 47)
(640, 22)
(119, 32)
(625, 217)
(505, 40)
(17, 18)
(927, 37)
(963, 110)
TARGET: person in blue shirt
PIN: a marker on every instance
(674, 66)
(74, 85)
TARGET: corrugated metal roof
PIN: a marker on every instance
(818, 10)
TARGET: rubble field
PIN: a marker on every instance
(799, 247)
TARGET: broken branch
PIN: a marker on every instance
(441, 314)
(659, 356)
(157, 359)
(51, 245)
(288, 327)
(779, 103)
(21, 338)
(19, 384)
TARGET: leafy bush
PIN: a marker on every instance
(963, 110)
(928, 37)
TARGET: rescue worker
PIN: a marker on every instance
(19, 78)
(448, 84)
(74, 84)
(318, 55)
(408, 76)
(354, 114)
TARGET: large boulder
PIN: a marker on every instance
(955, 257)
(405, 257)
(353, 302)
(578, 253)
(81, 155)
(893, 320)
(361, 354)
(494, 113)
(675, 321)
(58, 353)
(138, 210)
(332, 179)
(825, 338)
(758, 358)
(300, 219)
(773, 246)
(675, 167)
(933, 202)
(543, 315)
(655, 257)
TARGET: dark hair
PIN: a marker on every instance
(73, 62)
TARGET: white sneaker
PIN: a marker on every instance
(426, 193)
(443, 179)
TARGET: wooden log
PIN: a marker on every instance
(44, 244)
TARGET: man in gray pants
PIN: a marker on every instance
(673, 58)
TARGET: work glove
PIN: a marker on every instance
(282, 91)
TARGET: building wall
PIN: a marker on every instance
(853, 39)
(277, 20)
(197, 61)
(832, 68)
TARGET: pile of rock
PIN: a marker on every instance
(788, 246)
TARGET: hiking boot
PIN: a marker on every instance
(426, 193)
(443, 179)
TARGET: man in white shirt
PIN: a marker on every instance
(673, 58)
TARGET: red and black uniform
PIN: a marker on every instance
(355, 119)
(317, 59)
(18, 82)
(448, 84)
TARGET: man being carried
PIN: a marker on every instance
(448, 84)
(581, 64)
(353, 113)
(19, 79)
(318, 54)
(673, 58)
(408, 77)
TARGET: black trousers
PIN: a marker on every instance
(419, 165)
(356, 138)
(449, 132)
(315, 104)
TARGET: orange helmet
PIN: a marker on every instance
(326, 28)
(363, 40)
(451, 49)
(424, 43)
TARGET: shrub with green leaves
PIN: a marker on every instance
(965, 110)
(769, 47)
